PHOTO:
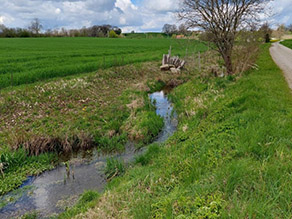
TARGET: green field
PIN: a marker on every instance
(25, 61)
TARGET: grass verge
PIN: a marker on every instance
(287, 43)
(231, 156)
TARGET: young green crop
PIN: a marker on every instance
(24, 61)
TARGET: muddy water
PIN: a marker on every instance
(52, 191)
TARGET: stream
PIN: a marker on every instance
(51, 192)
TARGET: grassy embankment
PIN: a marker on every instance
(287, 43)
(231, 156)
(24, 61)
(70, 114)
(102, 109)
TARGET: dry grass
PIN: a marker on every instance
(36, 145)
(244, 57)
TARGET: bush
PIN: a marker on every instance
(112, 34)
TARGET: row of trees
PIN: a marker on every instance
(170, 29)
(35, 28)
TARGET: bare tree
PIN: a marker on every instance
(289, 27)
(182, 29)
(35, 26)
(222, 19)
(266, 32)
(169, 29)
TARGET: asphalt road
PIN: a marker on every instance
(282, 56)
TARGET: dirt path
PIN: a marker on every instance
(282, 56)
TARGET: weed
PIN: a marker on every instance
(152, 151)
(87, 200)
(114, 168)
(31, 215)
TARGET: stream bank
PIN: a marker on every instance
(46, 193)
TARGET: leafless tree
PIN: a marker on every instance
(289, 27)
(169, 29)
(182, 29)
(35, 26)
(2, 27)
(266, 32)
(222, 19)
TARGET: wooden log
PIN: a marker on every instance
(175, 70)
(169, 62)
(176, 62)
(182, 64)
(167, 59)
(164, 59)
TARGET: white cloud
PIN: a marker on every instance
(58, 11)
(162, 5)
(282, 12)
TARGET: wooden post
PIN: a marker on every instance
(186, 52)
(1, 169)
(199, 60)
(169, 51)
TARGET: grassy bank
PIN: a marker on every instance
(231, 156)
(105, 109)
(287, 43)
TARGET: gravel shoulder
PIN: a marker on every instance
(282, 56)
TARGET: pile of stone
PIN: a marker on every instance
(173, 64)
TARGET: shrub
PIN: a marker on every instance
(112, 34)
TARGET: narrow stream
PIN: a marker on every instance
(52, 191)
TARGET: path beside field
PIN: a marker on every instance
(282, 56)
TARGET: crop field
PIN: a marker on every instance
(24, 61)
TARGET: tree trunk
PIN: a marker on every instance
(228, 64)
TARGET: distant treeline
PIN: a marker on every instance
(134, 35)
(35, 31)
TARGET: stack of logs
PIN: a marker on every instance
(174, 64)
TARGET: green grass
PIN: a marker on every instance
(144, 35)
(18, 165)
(287, 43)
(104, 109)
(230, 158)
(114, 168)
(87, 200)
(24, 61)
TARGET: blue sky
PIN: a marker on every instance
(137, 15)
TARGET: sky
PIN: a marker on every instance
(137, 15)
